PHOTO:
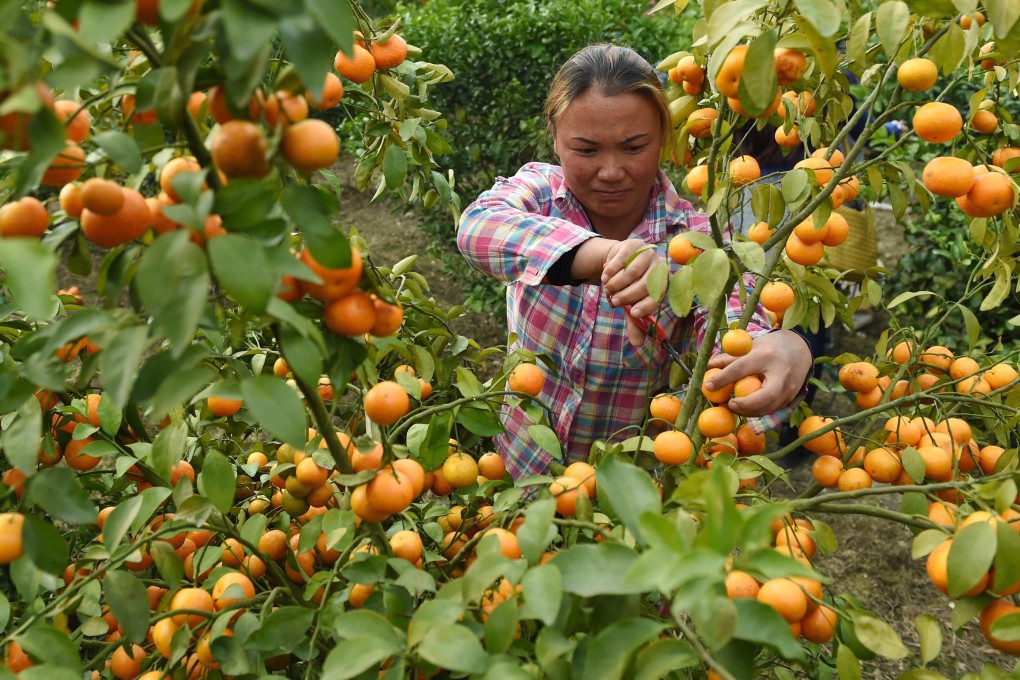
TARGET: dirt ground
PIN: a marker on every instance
(873, 559)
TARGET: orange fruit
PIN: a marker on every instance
(937, 122)
(407, 545)
(665, 406)
(786, 139)
(11, 530)
(390, 491)
(938, 463)
(803, 253)
(1000, 375)
(222, 407)
(727, 79)
(69, 199)
(336, 282)
(127, 224)
(66, 167)
(78, 460)
(697, 178)
(292, 108)
(716, 421)
(806, 231)
(776, 296)
(992, 612)
(749, 442)
(790, 65)
(174, 167)
(853, 479)
(239, 149)
(491, 465)
(785, 596)
(75, 118)
(802, 103)
(740, 584)
(584, 473)
(948, 176)
(858, 376)
(386, 402)
(389, 53)
(747, 385)
(937, 358)
(736, 342)
(310, 144)
(1003, 154)
(350, 314)
(819, 625)
(508, 544)
(196, 599)
(358, 67)
(820, 167)
(101, 196)
(460, 470)
(681, 250)
(917, 75)
(990, 195)
(699, 123)
(388, 317)
(760, 232)
(826, 471)
(125, 664)
(565, 489)
(883, 465)
(332, 93)
(837, 229)
(527, 378)
(744, 170)
(672, 447)
(223, 583)
(718, 396)
(24, 217)
(984, 121)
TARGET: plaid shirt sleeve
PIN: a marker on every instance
(511, 232)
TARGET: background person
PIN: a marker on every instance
(560, 237)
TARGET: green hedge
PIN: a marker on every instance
(504, 53)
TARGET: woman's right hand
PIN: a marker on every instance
(626, 279)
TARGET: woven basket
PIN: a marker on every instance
(860, 250)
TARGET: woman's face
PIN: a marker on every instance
(609, 149)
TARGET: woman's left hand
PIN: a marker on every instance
(781, 359)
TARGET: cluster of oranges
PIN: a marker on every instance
(798, 599)
(368, 57)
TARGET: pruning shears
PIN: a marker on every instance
(649, 325)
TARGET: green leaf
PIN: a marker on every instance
(58, 492)
(501, 627)
(173, 284)
(56, 648)
(824, 15)
(537, 532)
(711, 272)
(129, 602)
(480, 421)
(751, 255)
(759, 623)
(217, 479)
(394, 166)
(723, 22)
(283, 630)
(547, 439)
(354, 656)
(242, 268)
(611, 651)
(543, 593)
(453, 647)
(309, 47)
(435, 446)
(119, 362)
(630, 493)
(103, 21)
(909, 295)
(1007, 565)
(847, 665)
(170, 565)
(758, 84)
(430, 614)
(121, 148)
(891, 22)
(336, 19)
(21, 438)
(857, 43)
(970, 557)
(597, 569)
(929, 633)
(972, 325)
(306, 206)
(44, 546)
(277, 408)
(29, 268)
(1003, 15)
(662, 656)
(247, 28)
(878, 636)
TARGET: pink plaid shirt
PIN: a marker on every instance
(602, 384)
